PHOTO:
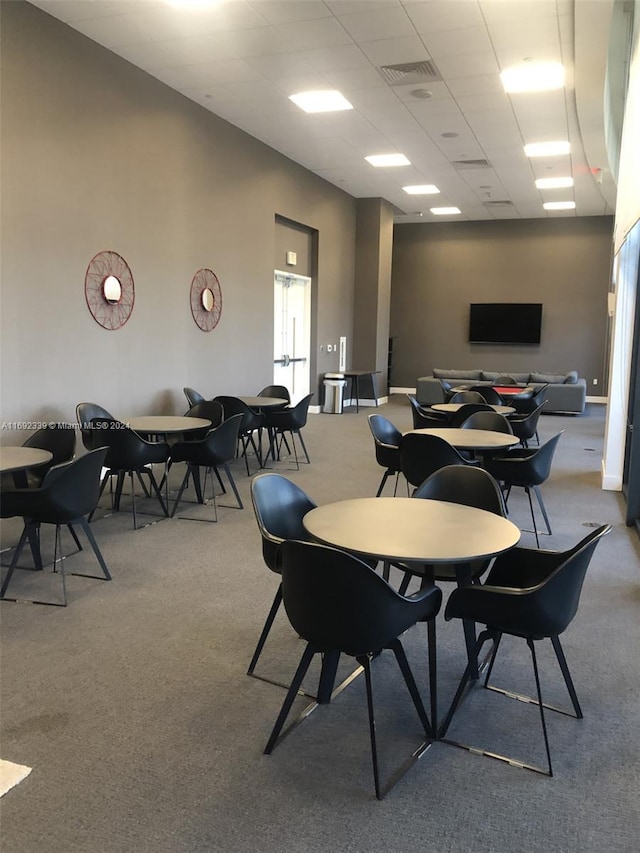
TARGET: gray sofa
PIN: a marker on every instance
(566, 392)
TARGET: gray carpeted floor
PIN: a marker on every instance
(144, 733)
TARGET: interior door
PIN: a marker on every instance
(292, 333)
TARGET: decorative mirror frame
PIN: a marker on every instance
(205, 289)
(110, 313)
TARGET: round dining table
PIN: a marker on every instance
(414, 530)
(452, 408)
(264, 402)
(21, 458)
(484, 440)
(166, 424)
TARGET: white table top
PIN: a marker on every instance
(473, 439)
(21, 458)
(412, 530)
(164, 424)
(264, 402)
(452, 408)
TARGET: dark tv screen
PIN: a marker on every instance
(505, 322)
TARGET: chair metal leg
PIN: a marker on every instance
(531, 645)
(301, 671)
(405, 669)
(304, 447)
(533, 517)
(92, 541)
(232, 483)
(562, 661)
(383, 481)
(536, 489)
(365, 663)
(265, 630)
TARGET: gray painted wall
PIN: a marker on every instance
(98, 155)
(439, 269)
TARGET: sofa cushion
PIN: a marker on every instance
(490, 375)
(550, 378)
(456, 374)
(571, 378)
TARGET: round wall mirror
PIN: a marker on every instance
(112, 290)
(208, 300)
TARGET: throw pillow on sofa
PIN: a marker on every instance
(549, 378)
(456, 374)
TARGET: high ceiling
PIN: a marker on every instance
(241, 59)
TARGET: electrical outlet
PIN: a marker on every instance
(329, 348)
(595, 381)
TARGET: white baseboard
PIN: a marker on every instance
(610, 483)
(362, 402)
(603, 400)
(402, 390)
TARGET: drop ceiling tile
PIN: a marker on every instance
(494, 102)
(468, 65)
(458, 42)
(110, 31)
(262, 41)
(350, 82)
(484, 84)
(71, 11)
(424, 111)
(442, 15)
(313, 35)
(346, 57)
(395, 51)
(284, 11)
(379, 23)
(499, 12)
(283, 66)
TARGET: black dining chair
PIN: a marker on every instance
(466, 410)
(505, 379)
(193, 397)
(487, 420)
(386, 438)
(278, 392)
(488, 394)
(59, 440)
(525, 427)
(68, 494)
(338, 604)
(213, 452)
(421, 454)
(532, 595)
(466, 485)
(467, 397)
(528, 469)
(128, 454)
(85, 414)
(424, 418)
(250, 427)
(279, 506)
(288, 422)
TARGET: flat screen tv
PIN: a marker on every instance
(505, 322)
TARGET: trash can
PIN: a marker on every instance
(333, 393)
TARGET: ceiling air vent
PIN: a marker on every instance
(498, 203)
(460, 165)
(409, 73)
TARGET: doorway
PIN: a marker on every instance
(292, 333)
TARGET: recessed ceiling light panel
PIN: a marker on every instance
(324, 101)
(445, 211)
(421, 189)
(533, 77)
(547, 149)
(553, 183)
(382, 160)
(559, 205)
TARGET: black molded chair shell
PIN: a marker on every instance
(487, 420)
(525, 427)
(531, 594)
(126, 449)
(193, 397)
(467, 397)
(291, 421)
(468, 486)
(421, 454)
(526, 404)
(336, 601)
(212, 410)
(505, 379)
(338, 604)
(426, 418)
(279, 392)
(279, 506)
(215, 450)
(527, 467)
(251, 421)
(69, 492)
(59, 440)
(387, 438)
(466, 410)
(85, 413)
(488, 394)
